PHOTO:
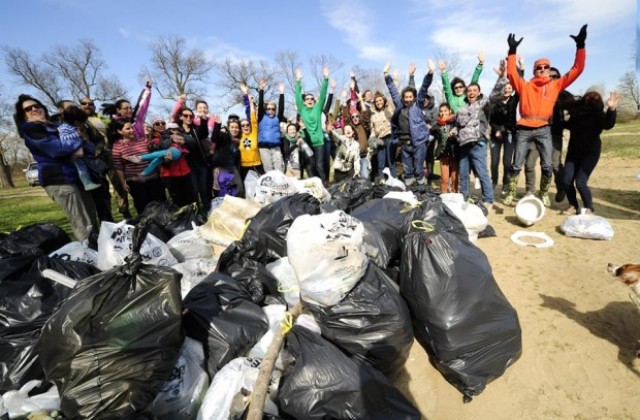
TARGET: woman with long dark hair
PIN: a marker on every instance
(587, 120)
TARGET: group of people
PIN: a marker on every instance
(191, 156)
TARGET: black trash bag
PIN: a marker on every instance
(220, 314)
(372, 322)
(324, 383)
(488, 232)
(184, 218)
(245, 261)
(380, 190)
(349, 194)
(112, 344)
(271, 224)
(27, 300)
(46, 236)
(385, 221)
(460, 316)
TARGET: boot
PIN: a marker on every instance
(511, 192)
(543, 194)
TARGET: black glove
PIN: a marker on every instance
(513, 44)
(581, 37)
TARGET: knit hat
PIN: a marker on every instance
(156, 119)
(541, 62)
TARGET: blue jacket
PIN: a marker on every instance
(269, 131)
(55, 165)
(417, 125)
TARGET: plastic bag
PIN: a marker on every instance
(19, 403)
(314, 187)
(349, 194)
(114, 341)
(76, 251)
(251, 185)
(469, 214)
(372, 323)
(272, 186)
(324, 383)
(115, 242)
(276, 315)
(227, 223)
(183, 393)
(185, 218)
(238, 374)
(271, 224)
(288, 285)
(587, 226)
(327, 254)
(45, 236)
(460, 316)
(27, 301)
(189, 245)
(219, 313)
(193, 272)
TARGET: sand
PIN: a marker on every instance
(579, 328)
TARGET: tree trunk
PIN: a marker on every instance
(5, 174)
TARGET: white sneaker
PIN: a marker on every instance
(408, 182)
(477, 184)
(422, 181)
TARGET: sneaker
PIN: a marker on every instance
(560, 195)
(408, 182)
(488, 206)
(422, 181)
(477, 184)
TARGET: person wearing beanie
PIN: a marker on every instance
(537, 98)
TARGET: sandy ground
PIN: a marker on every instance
(579, 327)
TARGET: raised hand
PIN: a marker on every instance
(612, 102)
(281, 88)
(443, 65)
(325, 72)
(298, 74)
(262, 83)
(332, 85)
(513, 44)
(182, 98)
(481, 57)
(217, 119)
(412, 69)
(387, 67)
(431, 65)
(520, 61)
(244, 88)
(581, 37)
(352, 74)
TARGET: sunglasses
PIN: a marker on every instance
(355, 117)
(87, 103)
(245, 125)
(187, 115)
(31, 108)
(459, 87)
(309, 98)
(271, 109)
(554, 76)
(541, 68)
(159, 123)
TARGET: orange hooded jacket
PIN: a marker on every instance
(538, 95)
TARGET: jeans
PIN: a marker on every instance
(475, 153)
(390, 147)
(365, 168)
(201, 186)
(318, 162)
(413, 160)
(541, 136)
(530, 168)
(505, 144)
(271, 159)
(577, 170)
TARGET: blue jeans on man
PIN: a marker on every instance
(413, 161)
(542, 138)
(475, 153)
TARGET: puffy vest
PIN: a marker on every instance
(269, 131)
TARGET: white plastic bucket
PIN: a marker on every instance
(529, 210)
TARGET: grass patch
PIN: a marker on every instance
(622, 140)
(23, 211)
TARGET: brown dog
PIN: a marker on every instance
(628, 274)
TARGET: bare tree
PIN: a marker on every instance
(233, 73)
(176, 69)
(320, 61)
(630, 92)
(65, 72)
(286, 63)
(7, 134)
(370, 79)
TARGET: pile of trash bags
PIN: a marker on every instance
(172, 316)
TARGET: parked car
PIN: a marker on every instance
(32, 174)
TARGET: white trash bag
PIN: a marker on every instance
(193, 272)
(189, 245)
(288, 285)
(19, 403)
(314, 187)
(470, 215)
(272, 186)
(114, 245)
(327, 254)
(251, 184)
(239, 373)
(76, 251)
(184, 391)
(275, 316)
(587, 226)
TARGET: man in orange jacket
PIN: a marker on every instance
(537, 97)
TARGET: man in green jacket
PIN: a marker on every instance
(310, 111)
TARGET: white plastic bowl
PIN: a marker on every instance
(529, 210)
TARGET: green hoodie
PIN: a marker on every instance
(312, 117)
(457, 102)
